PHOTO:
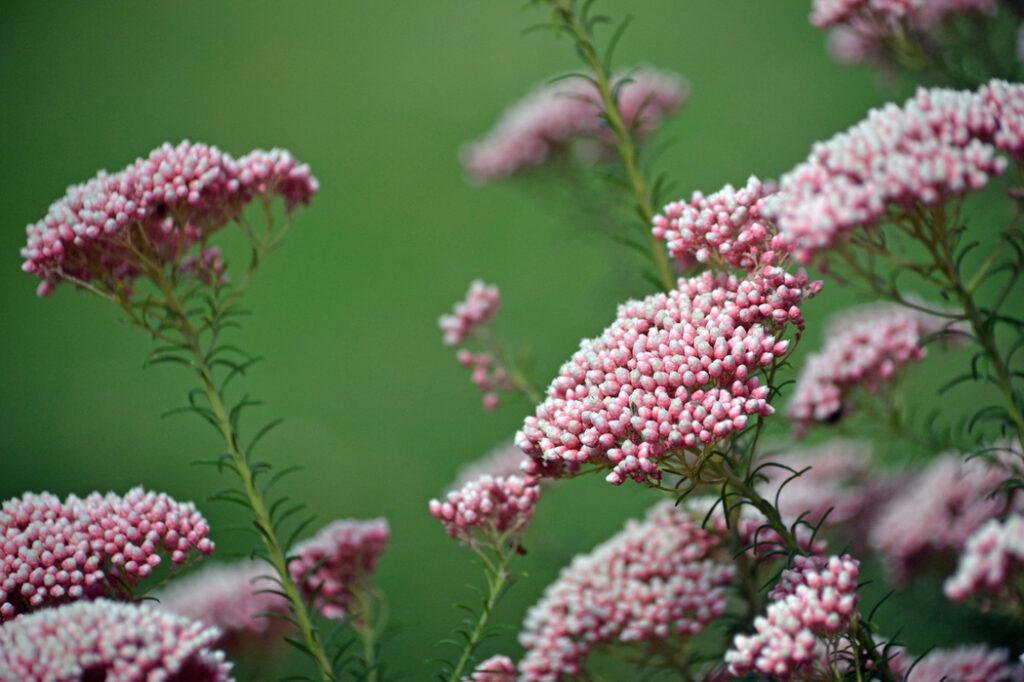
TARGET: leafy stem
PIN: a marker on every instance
(498, 578)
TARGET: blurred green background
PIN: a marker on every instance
(377, 97)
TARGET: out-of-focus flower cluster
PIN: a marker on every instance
(654, 579)
(814, 601)
(108, 641)
(939, 144)
(495, 507)
(333, 567)
(503, 461)
(100, 546)
(494, 669)
(471, 319)
(230, 597)
(728, 226)
(110, 229)
(865, 348)
(556, 114)
(992, 561)
(935, 512)
(963, 664)
(674, 372)
(867, 30)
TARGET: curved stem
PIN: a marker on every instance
(275, 552)
(497, 578)
(623, 139)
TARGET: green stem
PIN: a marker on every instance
(275, 552)
(624, 140)
(497, 579)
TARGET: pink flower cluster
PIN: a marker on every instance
(494, 669)
(335, 565)
(503, 461)
(52, 551)
(865, 348)
(108, 641)
(814, 600)
(154, 210)
(498, 508)
(654, 578)
(556, 114)
(230, 597)
(471, 318)
(963, 664)
(863, 30)
(992, 561)
(937, 511)
(939, 144)
(728, 226)
(674, 372)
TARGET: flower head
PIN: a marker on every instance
(105, 640)
(99, 546)
(498, 509)
(558, 113)
(992, 561)
(115, 227)
(654, 579)
(335, 565)
(494, 669)
(674, 373)
(939, 144)
(964, 664)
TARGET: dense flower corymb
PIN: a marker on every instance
(654, 579)
(941, 143)
(108, 641)
(112, 228)
(816, 598)
(865, 348)
(99, 546)
(963, 664)
(335, 565)
(674, 373)
(554, 115)
(495, 507)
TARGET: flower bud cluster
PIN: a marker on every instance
(334, 565)
(940, 143)
(992, 561)
(865, 348)
(728, 225)
(558, 113)
(938, 510)
(494, 669)
(109, 641)
(158, 207)
(674, 372)
(53, 551)
(230, 597)
(471, 319)
(493, 507)
(208, 266)
(815, 599)
(963, 664)
(654, 579)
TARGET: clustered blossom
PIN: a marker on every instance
(865, 348)
(335, 565)
(940, 143)
(937, 511)
(992, 560)
(963, 664)
(863, 30)
(471, 319)
(109, 641)
(230, 597)
(494, 507)
(155, 209)
(556, 114)
(728, 225)
(100, 546)
(674, 372)
(494, 669)
(654, 579)
(815, 600)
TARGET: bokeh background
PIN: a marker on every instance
(377, 97)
